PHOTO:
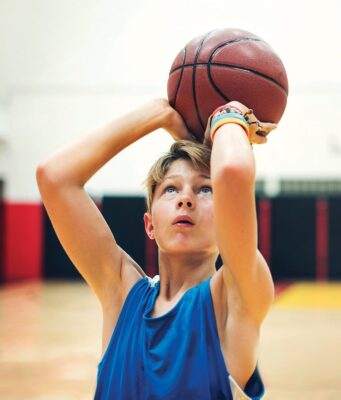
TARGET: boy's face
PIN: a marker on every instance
(184, 191)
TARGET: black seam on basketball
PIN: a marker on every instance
(253, 72)
(228, 42)
(237, 67)
(226, 99)
(179, 81)
(219, 45)
(197, 52)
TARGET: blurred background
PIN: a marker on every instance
(67, 67)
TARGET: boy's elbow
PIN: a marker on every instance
(41, 171)
(45, 175)
(237, 172)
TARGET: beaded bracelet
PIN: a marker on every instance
(226, 117)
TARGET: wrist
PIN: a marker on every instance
(163, 113)
(228, 117)
(142, 120)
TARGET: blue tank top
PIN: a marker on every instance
(175, 356)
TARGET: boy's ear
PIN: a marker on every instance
(148, 225)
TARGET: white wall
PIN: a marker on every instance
(67, 67)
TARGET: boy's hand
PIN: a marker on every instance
(174, 123)
(258, 130)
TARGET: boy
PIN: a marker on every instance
(191, 332)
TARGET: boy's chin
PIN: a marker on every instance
(184, 248)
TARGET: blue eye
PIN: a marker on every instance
(169, 187)
(206, 187)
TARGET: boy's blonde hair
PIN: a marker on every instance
(197, 153)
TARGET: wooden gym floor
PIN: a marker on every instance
(50, 336)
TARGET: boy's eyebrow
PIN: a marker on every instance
(177, 176)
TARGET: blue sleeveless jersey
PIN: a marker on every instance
(176, 356)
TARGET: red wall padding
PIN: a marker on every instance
(322, 239)
(23, 247)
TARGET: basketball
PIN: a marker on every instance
(225, 65)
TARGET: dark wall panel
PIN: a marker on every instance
(293, 238)
(335, 238)
(124, 215)
(56, 263)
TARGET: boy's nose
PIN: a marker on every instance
(188, 203)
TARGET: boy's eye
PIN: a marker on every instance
(206, 187)
(169, 187)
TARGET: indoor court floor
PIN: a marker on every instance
(50, 338)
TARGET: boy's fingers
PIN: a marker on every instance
(262, 128)
(257, 139)
(268, 126)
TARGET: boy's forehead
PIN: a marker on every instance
(185, 169)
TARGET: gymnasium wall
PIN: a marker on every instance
(68, 67)
(299, 236)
